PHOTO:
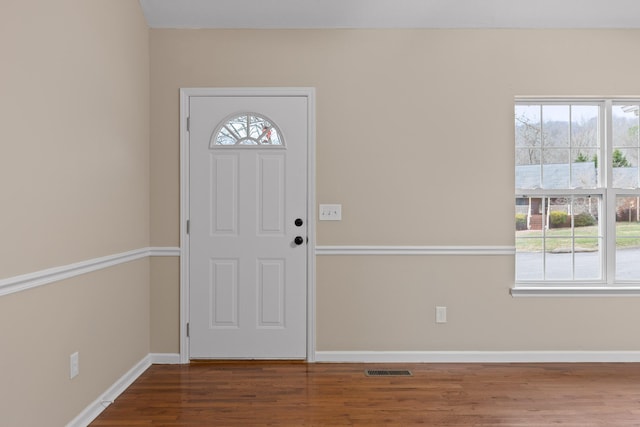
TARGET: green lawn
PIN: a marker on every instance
(586, 238)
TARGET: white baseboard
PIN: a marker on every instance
(92, 411)
(476, 356)
(164, 358)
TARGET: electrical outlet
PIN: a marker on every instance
(441, 314)
(74, 365)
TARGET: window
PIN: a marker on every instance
(577, 196)
(247, 129)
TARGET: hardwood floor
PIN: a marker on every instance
(300, 394)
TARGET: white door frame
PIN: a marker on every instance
(185, 94)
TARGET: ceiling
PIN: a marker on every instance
(392, 13)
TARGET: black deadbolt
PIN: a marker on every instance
(298, 222)
(298, 240)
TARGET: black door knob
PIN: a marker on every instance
(298, 240)
(298, 222)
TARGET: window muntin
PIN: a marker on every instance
(246, 129)
(577, 162)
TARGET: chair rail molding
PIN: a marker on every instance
(415, 250)
(23, 282)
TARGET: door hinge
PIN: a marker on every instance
(188, 226)
(187, 330)
(188, 124)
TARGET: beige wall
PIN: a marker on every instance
(415, 139)
(104, 316)
(165, 310)
(386, 303)
(74, 125)
(74, 185)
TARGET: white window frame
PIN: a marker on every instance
(607, 285)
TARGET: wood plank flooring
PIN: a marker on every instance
(300, 394)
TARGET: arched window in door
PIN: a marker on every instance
(246, 129)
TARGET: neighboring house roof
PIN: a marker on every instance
(557, 175)
(574, 175)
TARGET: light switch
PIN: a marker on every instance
(330, 212)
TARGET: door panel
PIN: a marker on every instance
(223, 282)
(224, 185)
(248, 277)
(271, 293)
(271, 194)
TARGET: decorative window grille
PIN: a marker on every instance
(247, 129)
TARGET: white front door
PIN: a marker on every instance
(248, 227)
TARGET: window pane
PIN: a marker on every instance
(584, 173)
(627, 210)
(558, 212)
(588, 239)
(587, 259)
(555, 172)
(626, 143)
(627, 264)
(624, 158)
(225, 137)
(584, 126)
(625, 167)
(529, 239)
(555, 125)
(529, 264)
(528, 156)
(625, 126)
(528, 128)
(528, 170)
(585, 212)
(558, 264)
(627, 238)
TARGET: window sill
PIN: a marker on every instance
(576, 291)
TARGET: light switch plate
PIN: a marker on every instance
(330, 212)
